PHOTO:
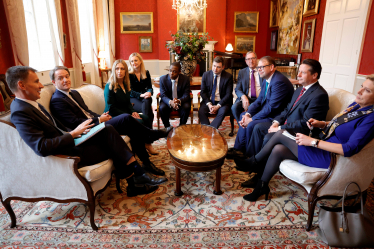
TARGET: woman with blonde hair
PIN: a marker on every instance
(117, 96)
(141, 86)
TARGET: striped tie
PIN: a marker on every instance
(301, 94)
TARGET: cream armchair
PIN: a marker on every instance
(28, 177)
(330, 183)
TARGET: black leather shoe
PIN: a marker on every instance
(246, 165)
(148, 179)
(251, 182)
(151, 168)
(134, 191)
(231, 153)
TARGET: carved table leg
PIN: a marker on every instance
(217, 190)
(178, 190)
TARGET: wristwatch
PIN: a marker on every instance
(314, 143)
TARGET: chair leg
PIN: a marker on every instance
(311, 207)
(158, 122)
(10, 211)
(91, 205)
(232, 125)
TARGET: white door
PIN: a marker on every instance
(343, 28)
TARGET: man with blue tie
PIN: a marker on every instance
(248, 87)
(276, 93)
(175, 95)
(216, 92)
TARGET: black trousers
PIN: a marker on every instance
(144, 106)
(259, 133)
(184, 112)
(223, 111)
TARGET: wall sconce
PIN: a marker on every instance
(102, 59)
(229, 48)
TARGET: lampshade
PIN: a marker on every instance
(229, 47)
(102, 54)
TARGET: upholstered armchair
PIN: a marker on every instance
(330, 183)
(28, 177)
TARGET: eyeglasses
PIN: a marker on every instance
(262, 67)
(253, 58)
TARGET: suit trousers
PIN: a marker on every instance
(184, 112)
(244, 134)
(237, 109)
(223, 111)
(144, 106)
(259, 133)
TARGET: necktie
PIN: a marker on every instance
(301, 94)
(175, 95)
(50, 117)
(88, 115)
(266, 91)
(213, 98)
(253, 85)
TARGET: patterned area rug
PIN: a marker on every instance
(198, 219)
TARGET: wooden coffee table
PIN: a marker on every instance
(197, 148)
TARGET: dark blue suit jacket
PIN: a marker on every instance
(65, 110)
(278, 95)
(39, 132)
(242, 87)
(183, 89)
(225, 87)
(313, 104)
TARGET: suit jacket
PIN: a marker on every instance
(242, 86)
(39, 132)
(65, 110)
(278, 95)
(313, 104)
(225, 87)
(183, 88)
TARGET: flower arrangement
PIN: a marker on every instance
(188, 46)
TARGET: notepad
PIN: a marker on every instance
(287, 134)
(92, 132)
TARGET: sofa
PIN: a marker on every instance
(29, 177)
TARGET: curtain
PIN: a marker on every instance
(75, 41)
(112, 30)
(108, 27)
(17, 29)
(55, 19)
(93, 33)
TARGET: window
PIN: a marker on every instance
(84, 27)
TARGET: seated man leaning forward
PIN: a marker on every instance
(309, 101)
(69, 108)
(276, 92)
(248, 86)
(216, 92)
(47, 136)
(175, 95)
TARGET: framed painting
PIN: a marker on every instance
(245, 43)
(136, 22)
(290, 16)
(145, 44)
(191, 20)
(308, 35)
(246, 22)
(273, 40)
(274, 13)
(310, 7)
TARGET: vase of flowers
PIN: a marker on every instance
(187, 48)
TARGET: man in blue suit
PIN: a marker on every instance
(216, 92)
(248, 87)
(175, 95)
(276, 92)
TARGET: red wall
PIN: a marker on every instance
(367, 62)
(6, 53)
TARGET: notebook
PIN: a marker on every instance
(92, 132)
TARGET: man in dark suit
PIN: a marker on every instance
(47, 136)
(276, 92)
(248, 86)
(216, 92)
(175, 95)
(309, 101)
(69, 108)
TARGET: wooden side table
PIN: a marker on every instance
(107, 71)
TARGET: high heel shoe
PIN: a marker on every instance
(151, 150)
(262, 188)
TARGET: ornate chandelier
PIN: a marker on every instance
(189, 5)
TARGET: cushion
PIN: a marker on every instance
(97, 171)
(300, 173)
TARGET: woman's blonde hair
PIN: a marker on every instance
(114, 85)
(143, 74)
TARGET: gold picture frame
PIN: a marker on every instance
(307, 40)
(242, 21)
(187, 21)
(145, 44)
(310, 7)
(274, 14)
(136, 22)
(245, 43)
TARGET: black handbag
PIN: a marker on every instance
(346, 226)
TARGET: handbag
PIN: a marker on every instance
(348, 226)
